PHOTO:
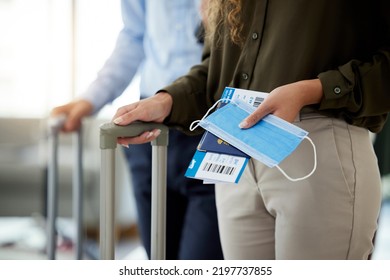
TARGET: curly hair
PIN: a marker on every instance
(227, 12)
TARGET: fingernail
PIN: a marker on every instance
(125, 145)
(243, 124)
(150, 134)
(157, 133)
(118, 120)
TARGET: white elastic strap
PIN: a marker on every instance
(195, 124)
(308, 175)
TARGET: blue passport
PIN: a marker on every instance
(211, 143)
(214, 144)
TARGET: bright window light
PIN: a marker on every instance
(36, 51)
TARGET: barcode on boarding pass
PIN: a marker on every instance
(218, 168)
(257, 101)
(221, 167)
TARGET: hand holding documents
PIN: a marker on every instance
(225, 149)
(215, 159)
(270, 140)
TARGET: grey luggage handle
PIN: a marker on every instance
(55, 124)
(109, 133)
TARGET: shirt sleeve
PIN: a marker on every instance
(360, 89)
(189, 89)
(120, 68)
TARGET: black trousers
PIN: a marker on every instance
(192, 227)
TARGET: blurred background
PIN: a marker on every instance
(50, 50)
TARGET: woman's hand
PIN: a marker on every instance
(74, 111)
(152, 109)
(286, 101)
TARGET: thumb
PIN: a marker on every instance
(252, 119)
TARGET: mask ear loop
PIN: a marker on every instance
(195, 124)
(311, 172)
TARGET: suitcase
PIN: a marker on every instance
(109, 133)
(54, 126)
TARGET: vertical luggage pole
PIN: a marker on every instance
(109, 133)
(52, 187)
(78, 192)
(159, 194)
(55, 125)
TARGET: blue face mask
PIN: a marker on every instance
(270, 141)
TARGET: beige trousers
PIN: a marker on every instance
(331, 215)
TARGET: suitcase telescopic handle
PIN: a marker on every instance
(109, 133)
(55, 125)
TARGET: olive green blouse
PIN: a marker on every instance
(345, 43)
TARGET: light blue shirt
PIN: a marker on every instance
(158, 40)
